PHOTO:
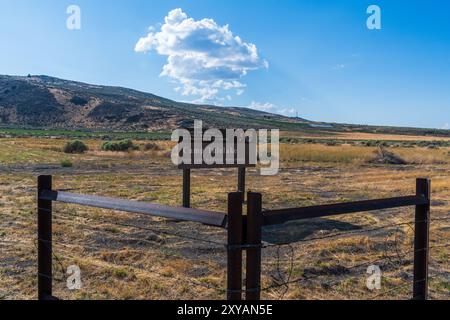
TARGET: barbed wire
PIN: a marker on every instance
(400, 258)
(363, 230)
(66, 216)
(107, 221)
(128, 225)
(347, 268)
(330, 236)
(386, 246)
(172, 254)
(281, 279)
(56, 261)
(395, 289)
(408, 285)
(350, 232)
(399, 255)
(439, 219)
(222, 291)
(168, 251)
(154, 272)
(192, 281)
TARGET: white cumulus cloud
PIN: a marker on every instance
(272, 108)
(205, 58)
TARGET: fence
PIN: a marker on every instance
(244, 232)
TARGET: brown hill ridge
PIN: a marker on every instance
(47, 102)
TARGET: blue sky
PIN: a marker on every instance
(317, 58)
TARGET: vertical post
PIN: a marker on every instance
(187, 188)
(254, 226)
(234, 259)
(44, 209)
(421, 241)
(241, 181)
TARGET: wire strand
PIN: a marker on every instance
(127, 225)
(347, 268)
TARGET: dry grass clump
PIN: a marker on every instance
(324, 153)
(424, 155)
(350, 154)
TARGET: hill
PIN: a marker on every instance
(47, 102)
(52, 103)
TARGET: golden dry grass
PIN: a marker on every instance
(123, 262)
(349, 154)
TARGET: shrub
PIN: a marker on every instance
(107, 146)
(75, 147)
(369, 143)
(152, 146)
(379, 143)
(331, 143)
(78, 101)
(124, 145)
(66, 164)
(121, 273)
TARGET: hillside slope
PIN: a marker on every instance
(51, 103)
(47, 102)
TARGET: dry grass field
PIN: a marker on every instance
(364, 136)
(127, 256)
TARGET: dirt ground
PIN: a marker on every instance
(129, 256)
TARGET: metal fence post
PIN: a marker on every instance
(234, 259)
(44, 210)
(254, 232)
(421, 241)
(241, 181)
(187, 188)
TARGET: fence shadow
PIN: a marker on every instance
(295, 231)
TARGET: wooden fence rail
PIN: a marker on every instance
(211, 218)
(244, 231)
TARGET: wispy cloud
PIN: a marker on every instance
(339, 66)
(446, 126)
(272, 108)
(206, 59)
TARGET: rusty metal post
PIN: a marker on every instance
(44, 210)
(254, 232)
(234, 259)
(421, 241)
(241, 181)
(187, 188)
